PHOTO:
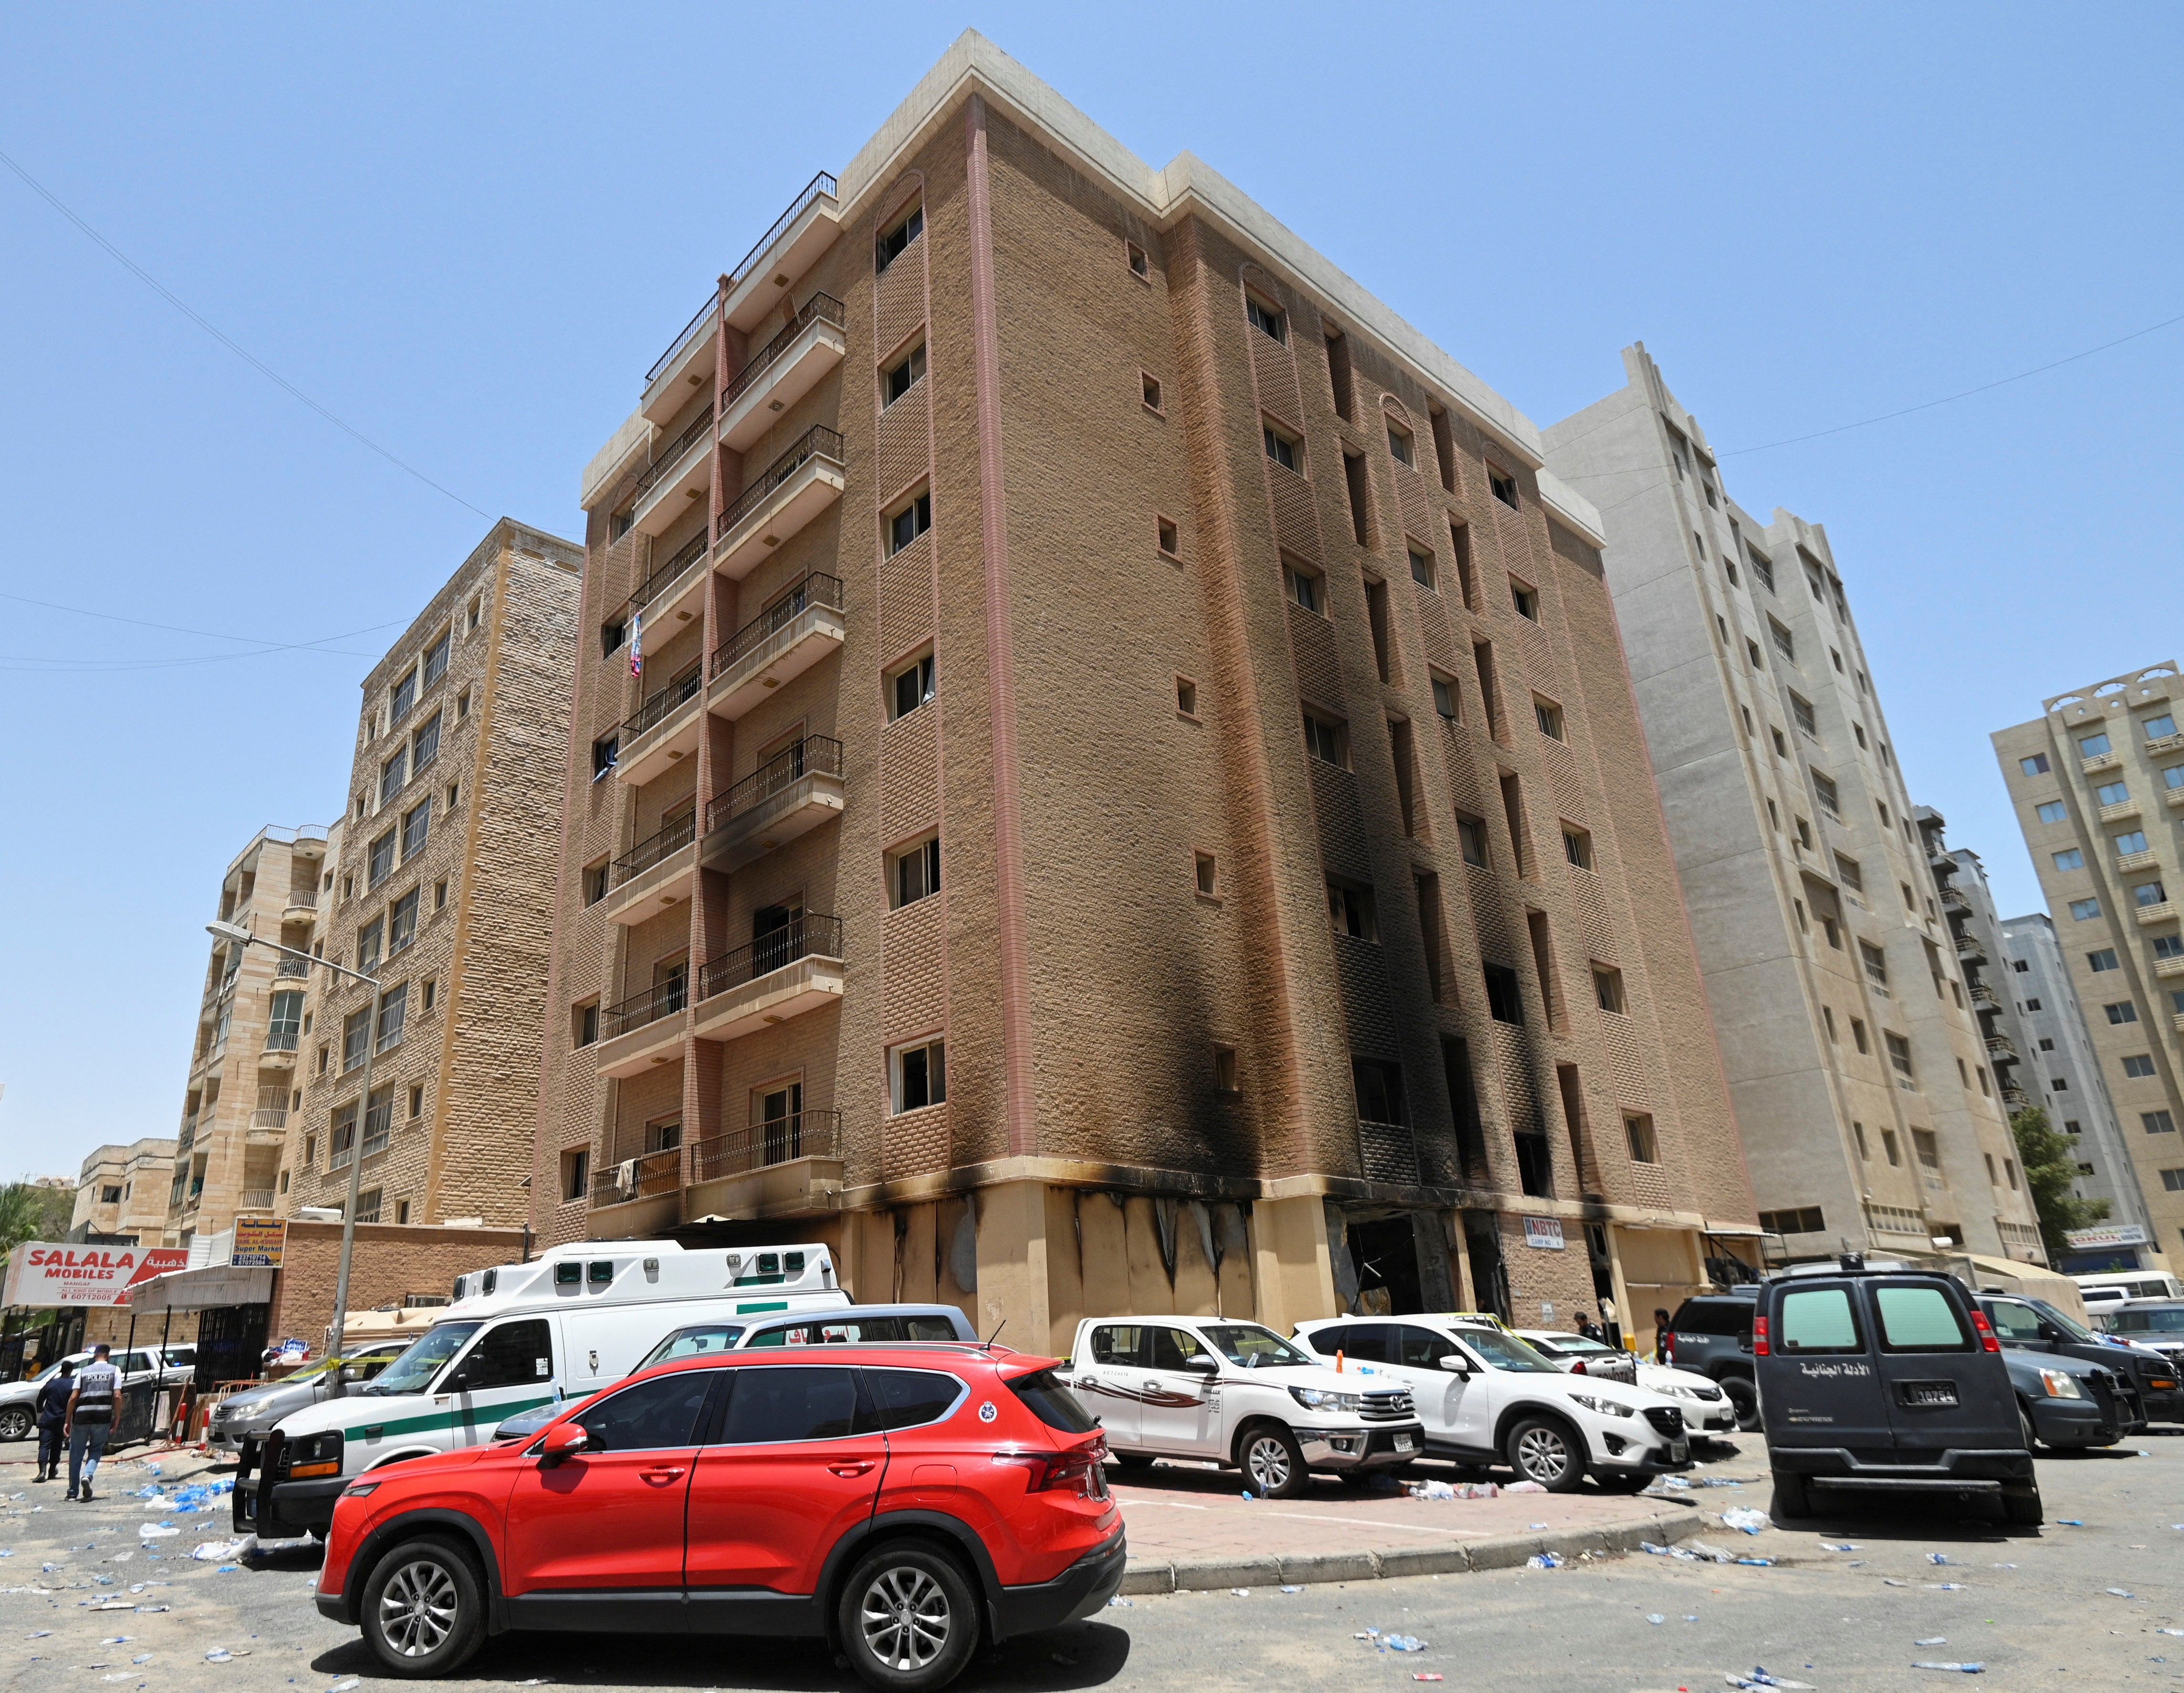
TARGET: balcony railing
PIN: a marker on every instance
(272, 1111)
(693, 433)
(819, 308)
(802, 1134)
(821, 185)
(662, 1000)
(646, 854)
(712, 304)
(302, 899)
(254, 1199)
(812, 756)
(282, 1040)
(662, 704)
(808, 591)
(686, 556)
(639, 1178)
(291, 969)
(188, 1133)
(808, 936)
(818, 442)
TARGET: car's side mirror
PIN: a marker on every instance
(1203, 1361)
(564, 1440)
(1455, 1364)
(2048, 1331)
(351, 1372)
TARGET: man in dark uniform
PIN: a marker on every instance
(90, 1419)
(1590, 1330)
(53, 1396)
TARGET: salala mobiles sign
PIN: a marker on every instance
(44, 1272)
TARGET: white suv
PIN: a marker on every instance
(1706, 1410)
(1485, 1396)
(1199, 1387)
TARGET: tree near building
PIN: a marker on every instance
(2050, 1166)
(33, 1210)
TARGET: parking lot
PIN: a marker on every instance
(2034, 1607)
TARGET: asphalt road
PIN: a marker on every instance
(2031, 1606)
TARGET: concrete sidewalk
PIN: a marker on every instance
(1191, 1528)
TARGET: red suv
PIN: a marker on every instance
(902, 1501)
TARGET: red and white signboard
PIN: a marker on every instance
(43, 1273)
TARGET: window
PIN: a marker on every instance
(1824, 788)
(1265, 319)
(1471, 836)
(1504, 488)
(393, 1007)
(914, 873)
(431, 988)
(901, 376)
(1422, 567)
(2157, 1123)
(2165, 946)
(1445, 698)
(1459, 541)
(1899, 1053)
(891, 244)
(1919, 1319)
(436, 659)
(911, 520)
(2138, 1066)
(2058, 1084)
(612, 633)
(417, 1100)
(511, 1355)
(1781, 746)
(1327, 740)
(1281, 446)
(1149, 390)
(1762, 567)
(2172, 777)
(584, 1023)
(1186, 697)
(2159, 728)
(1752, 652)
(1304, 585)
(2053, 811)
(2032, 1005)
(2130, 841)
(1608, 989)
(1928, 1149)
(1784, 642)
(1875, 963)
(1505, 1000)
(454, 794)
(2172, 1180)
(1166, 538)
(1379, 1091)
(1805, 1220)
(1858, 1133)
(2071, 860)
(1400, 444)
(576, 1174)
(1203, 866)
(1819, 1321)
(911, 687)
(2147, 893)
(1224, 1069)
(1549, 717)
(284, 1021)
(2093, 746)
(369, 939)
(367, 1206)
(380, 860)
(1890, 1149)
(2034, 765)
(1577, 847)
(2108, 793)
(414, 825)
(1849, 872)
(919, 1075)
(604, 751)
(1802, 709)
(1833, 930)
(402, 921)
(403, 699)
(1638, 1135)
(477, 606)
(1350, 905)
(356, 1030)
(595, 882)
(393, 774)
(2122, 1012)
(1525, 600)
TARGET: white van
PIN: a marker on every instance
(2114, 1287)
(517, 1336)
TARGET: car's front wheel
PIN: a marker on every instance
(15, 1423)
(1545, 1449)
(908, 1618)
(1744, 1398)
(424, 1610)
(1273, 1462)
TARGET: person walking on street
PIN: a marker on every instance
(90, 1419)
(1661, 1324)
(53, 1398)
(1590, 1330)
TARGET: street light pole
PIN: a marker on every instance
(243, 937)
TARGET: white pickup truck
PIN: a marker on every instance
(1201, 1387)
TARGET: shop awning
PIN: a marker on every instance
(200, 1289)
(1735, 1231)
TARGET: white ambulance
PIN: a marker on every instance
(515, 1337)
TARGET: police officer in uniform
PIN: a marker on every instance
(53, 1398)
(90, 1419)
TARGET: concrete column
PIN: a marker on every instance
(1292, 1275)
(1013, 1267)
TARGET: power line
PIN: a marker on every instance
(210, 634)
(248, 358)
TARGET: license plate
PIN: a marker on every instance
(1679, 1450)
(1405, 1443)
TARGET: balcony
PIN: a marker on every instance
(302, 905)
(291, 972)
(655, 873)
(2162, 744)
(2163, 913)
(1954, 899)
(1969, 948)
(1984, 996)
(1999, 1049)
(2174, 799)
(785, 496)
(254, 1200)
(791, 1166)
(680, 472)
(686, 364)
(1387, 1152)
(272, 1111)
(2136, 861)
(663, 732)
(783, 253)
(2099, 762)
(789, 795)
(671, 593)
(2169, 966)
(2117, 812)
(783, 370)
(643, 1030)
(783, 641)
(655, 1174)
(782, 974)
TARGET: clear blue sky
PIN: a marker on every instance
(468, 229)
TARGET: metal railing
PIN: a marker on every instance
(818, 442)
(647, 591)
(291, 969)
(808, 591)
(684, 687)
(808, 936)
(821, 185)
(646, 854)
(693, 433)
(821, 307)
(645, 1177)
(811, 755)
(282, 1040)
(712, 304)
(254, 1199)
(272, 1111)
(661, 1000)
(801, 1135)
(188, 1133)
(302, 899)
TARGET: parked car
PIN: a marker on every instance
(858, 1325)
(1199, 1387)
(2113, 1287)
(1710, 1335)
(1887, 1381)
(2040, 1327)
(1486, 1396)
(2066, 1403)
(1707, 1409)
(241, 1421)
(18, 1400)
(2155, 1323)
(903, 1504)
(1581, 1356)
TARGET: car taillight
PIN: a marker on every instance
(1987, 1342)
(1578, 1368)
(1669, 1350)
(1078, 1471)
(1759, 1337)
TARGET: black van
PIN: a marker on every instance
(1711, 1335)
(1885, 1379)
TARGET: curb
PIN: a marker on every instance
(1456, 1557)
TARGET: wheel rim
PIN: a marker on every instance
(1268, 1460)
(1542, 1455)
(905, 1617)
(14, 1423)
(417, 1608)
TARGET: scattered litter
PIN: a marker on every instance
(1544, 1560)
(1250, 1497)
(1945, 1586)
(117, 1640)
(1403, 1643)
(155, 1531)
(2120, 1592)
(1743, 1517)
(46, 1634)
(1241, 1592)
(2071, 1522)
(1292, 1588)
(1937, 1641)
(219, 1656)
(347, 1682)
(1535, 1525)
(142, 1657)
(1524, 1487)
(212, 1551)
(1760, 1678)
(1967, 1668)
(2158, 1631)
(1428, 1675)
(1891, 1581)
(1939, 1557)
(152, 1609)
(1457, 1490)
(2012, 1565)
(1655, 1618)
(1838, 1547)
(1117, 1603)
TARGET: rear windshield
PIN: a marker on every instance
(696, 1341)
(2168, 1319)
(837, 1332)
(1052, 1403)
(1818, 1320)
(1919, 1320)
(1714, 1316)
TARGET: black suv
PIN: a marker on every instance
(2038, 1327)
(1711, 1335)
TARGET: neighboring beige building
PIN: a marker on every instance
(242, 1067)
(2098, 785)
(122, 1190)
(1132, 800)
(1850, 1009)
(442, 884)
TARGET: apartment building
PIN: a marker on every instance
(122, 1190)
(441, 889)
(1857, 1056)
(2098, 781)
(1101, 780)
(243, 1077)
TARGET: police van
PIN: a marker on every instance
(515, 1337)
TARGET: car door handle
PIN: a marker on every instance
(851, 1466)
(663, 1473)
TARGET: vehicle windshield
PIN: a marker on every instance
(2069, 1325)
(413, 1371)
(1574, 1343)
(2163, 1319)
(692, 1342)
(1506, 1352)
(309, 1373)
(1249, 1347)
